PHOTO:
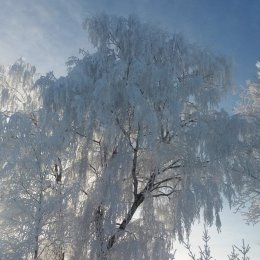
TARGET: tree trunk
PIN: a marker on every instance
(137, 202)
(99, 222)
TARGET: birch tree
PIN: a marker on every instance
(248, 152)
(30, 186)
(149, 151)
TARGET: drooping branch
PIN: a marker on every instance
(30, 194)
(125, 132)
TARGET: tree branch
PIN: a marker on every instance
(162, 194)
(135, 181)
(172, 165)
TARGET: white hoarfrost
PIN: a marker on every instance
(118, 158)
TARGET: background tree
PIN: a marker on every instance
(31, 194)
(247, 162)
(238, 253)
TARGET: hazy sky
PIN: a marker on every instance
(47, 32)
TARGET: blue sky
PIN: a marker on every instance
(233, 230)
(47, 32)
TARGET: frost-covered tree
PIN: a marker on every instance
(237, 253)
(147, 147)
(247, 157)
(16, 84)
(30, 180)
(204, 252)
(117, 159)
